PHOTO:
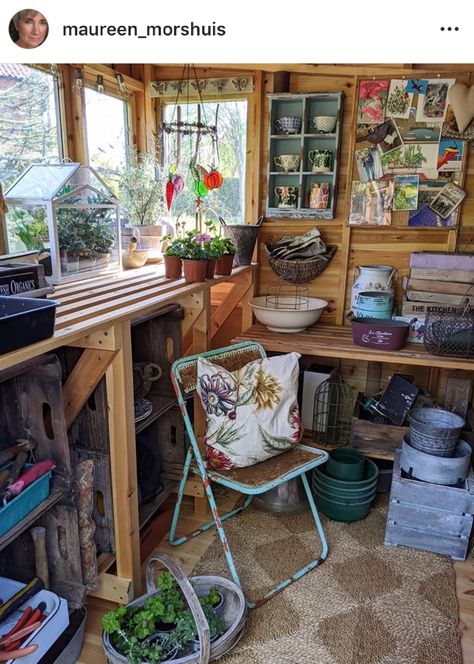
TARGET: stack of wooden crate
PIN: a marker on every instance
(438, 282)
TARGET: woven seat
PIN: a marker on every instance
(249, 481)
(261, 476)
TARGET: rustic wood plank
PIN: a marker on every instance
(123, 464)
(225, 309)
(455, 276)
(336, 341)
(437, 286)
(83, 380)
(458, 392)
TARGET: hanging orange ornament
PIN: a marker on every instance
(213, 179)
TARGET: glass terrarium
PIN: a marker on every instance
(66, 211)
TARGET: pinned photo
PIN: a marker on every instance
(399, 100)
(412, 131)
(425, 216)
(417, 86)
(371, 203)
(405, 192)
(369, 164)
(433, 104)
(415, 158)
(371, 102)
(449, 198)
(450, 154)
(392, 139)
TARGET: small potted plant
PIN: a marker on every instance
(227, 250)
(195, 253)
(172, 258)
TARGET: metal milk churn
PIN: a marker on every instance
(372, 278)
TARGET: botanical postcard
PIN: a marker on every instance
(406, 192)
(448, 199)
(450, 154)
(418, 158)
(371, 102)
(371, 203)
(432, 105)
(369, 164)
(392, 139)
(412, 131)
(399, 101)
(417, 86)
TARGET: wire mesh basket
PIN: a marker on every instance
(451, 333)
(332, 412)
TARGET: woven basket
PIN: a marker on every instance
(299, 272)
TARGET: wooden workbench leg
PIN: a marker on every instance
(201, 343)
(247, 311)
(123, 464)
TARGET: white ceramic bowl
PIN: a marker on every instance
(286, 317)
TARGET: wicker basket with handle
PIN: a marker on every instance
(300, 271)
(234, 613)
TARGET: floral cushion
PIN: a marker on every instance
(252, 414)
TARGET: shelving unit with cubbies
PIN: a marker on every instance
(307, 107)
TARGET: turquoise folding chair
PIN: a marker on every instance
(250, 481)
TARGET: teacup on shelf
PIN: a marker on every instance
(288, 125)
(321, 160)
(287, 196)
(287, 162)
(324, 123)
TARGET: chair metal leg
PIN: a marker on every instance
(314, 563)
(210, 524)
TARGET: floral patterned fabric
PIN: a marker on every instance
(251, 414)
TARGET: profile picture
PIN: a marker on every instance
(28, 28)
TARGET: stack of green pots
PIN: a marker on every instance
(345, 486)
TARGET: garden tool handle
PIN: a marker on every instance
(190, 596)
(17, 654)
(259, 220)
(393, 273)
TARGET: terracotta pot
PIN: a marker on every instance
(194, 270)
(211, 264)
(173, 267)
(224, 264)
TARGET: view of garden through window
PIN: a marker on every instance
(29, 127)
(229, 200)
(107, 134)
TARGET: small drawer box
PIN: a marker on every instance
(25, 502)
(57, 619)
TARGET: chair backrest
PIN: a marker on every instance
(184, 371)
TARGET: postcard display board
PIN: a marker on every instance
(409, 164)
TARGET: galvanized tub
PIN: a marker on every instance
(234, 612)
(244, 237)
(435, 469)
(286, 498)
(435, 431)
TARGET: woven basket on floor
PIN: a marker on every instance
(299, 272)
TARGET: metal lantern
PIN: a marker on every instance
(332, 412)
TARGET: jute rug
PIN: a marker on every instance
(366, 604)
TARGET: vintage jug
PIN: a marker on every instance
(372, 278)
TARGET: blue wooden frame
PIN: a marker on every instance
(213, 476)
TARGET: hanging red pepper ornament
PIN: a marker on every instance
(213, 179)
(169, 191)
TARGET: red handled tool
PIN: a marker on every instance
(35, 618)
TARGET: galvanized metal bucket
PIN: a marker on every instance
(286, 498)
(429, 468)
(374, 304)
(435, 431)
(244, 237)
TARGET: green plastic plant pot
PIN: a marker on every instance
(348, 500)
(339, 511)
(346, 464)
(341, 494)
(371, 473)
